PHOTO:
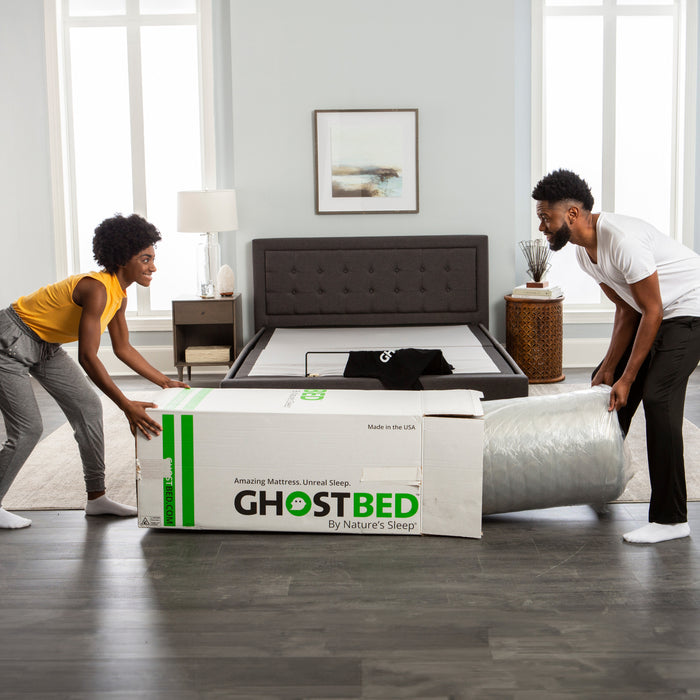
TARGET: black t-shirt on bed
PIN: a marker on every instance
(397, 369)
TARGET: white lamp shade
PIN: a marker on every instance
(207, 211)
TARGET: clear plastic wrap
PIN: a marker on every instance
(553, 450)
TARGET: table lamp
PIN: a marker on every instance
(207, 212)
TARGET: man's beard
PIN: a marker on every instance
(560, 237)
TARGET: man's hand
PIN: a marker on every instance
(619, 394)
(603, 376)
(135, 412)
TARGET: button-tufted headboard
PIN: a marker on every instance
(370, 281)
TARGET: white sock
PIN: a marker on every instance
(106, 506)
(10, 521)
(657, 532)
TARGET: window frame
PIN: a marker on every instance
(57, 24)
(685, 13)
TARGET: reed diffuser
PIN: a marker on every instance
(537, 255)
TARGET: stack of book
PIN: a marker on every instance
(522, 291)
(208, 353)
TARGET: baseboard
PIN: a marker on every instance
(160, 356)
(584, 352)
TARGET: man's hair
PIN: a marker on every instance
(561, 185)
(118, 239)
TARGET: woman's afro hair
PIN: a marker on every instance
(561, 185)
(118, 239)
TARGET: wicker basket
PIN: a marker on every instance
(534, 331)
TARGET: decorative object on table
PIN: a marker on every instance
(524, 291)
(207, 212)
(225, 281)
(366, 161)
(537, 255)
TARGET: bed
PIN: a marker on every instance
(316, 299)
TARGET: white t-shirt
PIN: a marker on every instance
(629, 250)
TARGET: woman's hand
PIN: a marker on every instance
(174, 384)
(135, 412)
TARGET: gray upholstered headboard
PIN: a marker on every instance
(370, 281)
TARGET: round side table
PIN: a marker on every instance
(534, 330)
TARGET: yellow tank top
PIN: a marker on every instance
(53, 315)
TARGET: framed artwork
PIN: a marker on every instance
(366, 161)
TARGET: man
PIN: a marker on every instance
(78, 308)
(654, 283)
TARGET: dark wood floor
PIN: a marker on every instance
(548, 604)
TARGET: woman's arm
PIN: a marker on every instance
(91, 295)
(131, 357)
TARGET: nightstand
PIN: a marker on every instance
(206, 330)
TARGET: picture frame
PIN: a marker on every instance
(366, 161)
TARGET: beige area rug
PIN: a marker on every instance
(52, 478)
(638, 488)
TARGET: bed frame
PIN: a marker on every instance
(374, 281)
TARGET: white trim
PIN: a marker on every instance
(206, 91)
(537, 126)
(136, 121)
(159, 356)
(609, 115)
(53, 90)
(690, 45)
(122, 20)
(584, 352)
(69, 167)
(583, 316)
(149, 323)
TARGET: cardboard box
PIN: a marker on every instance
(370, 462)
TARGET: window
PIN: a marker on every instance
(130, 91)
(613, 85)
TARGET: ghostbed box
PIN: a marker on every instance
(330, 461)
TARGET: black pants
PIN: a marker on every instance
(660, 386)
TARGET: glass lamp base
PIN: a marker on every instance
(208, 262)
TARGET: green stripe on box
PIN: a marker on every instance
(181, 396)
(187, 442)
(168, 422)
(196, 399)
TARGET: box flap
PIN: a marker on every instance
(452, 476)
(452, 402)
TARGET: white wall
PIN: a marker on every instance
(26, 235)
(465, 64)
(453, 60)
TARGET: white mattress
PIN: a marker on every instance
(285, 354)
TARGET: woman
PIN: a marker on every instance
(78, 308)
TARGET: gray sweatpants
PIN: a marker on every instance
(23, 353)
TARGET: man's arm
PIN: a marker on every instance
(647, 294)
(91, 295)
(624, 328)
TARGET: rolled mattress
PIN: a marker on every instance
(554, 450)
